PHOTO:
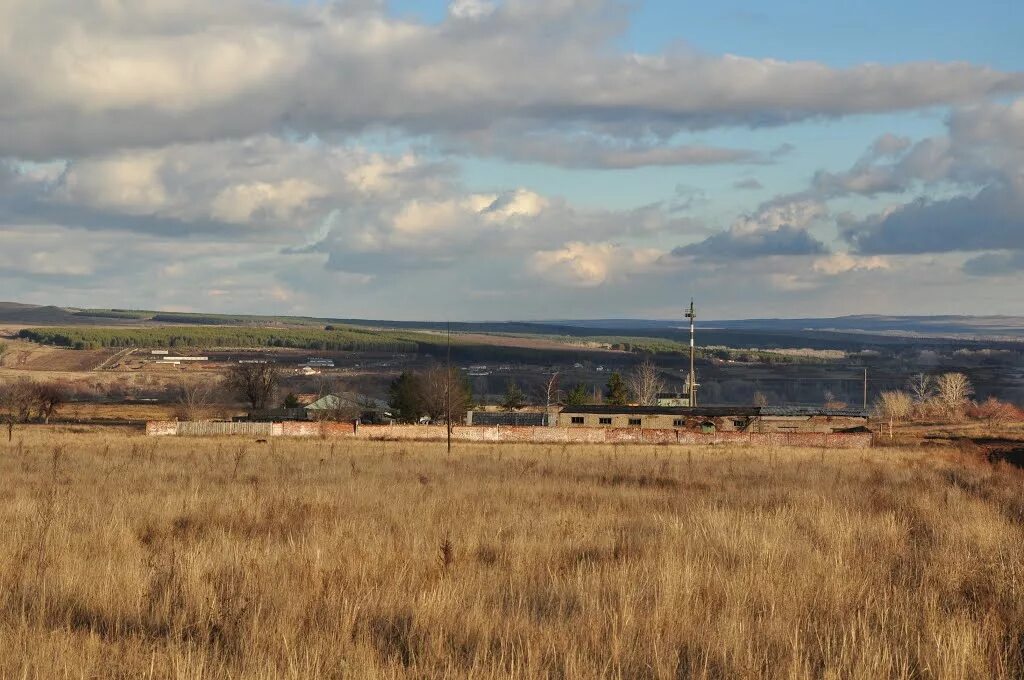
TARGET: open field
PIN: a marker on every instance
(128, 557)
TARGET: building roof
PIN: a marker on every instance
(715, 411)
(346, 400)
(510, 418)
(664, 410)
(813, 411)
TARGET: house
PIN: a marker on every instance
(354, 404)
(716, 418)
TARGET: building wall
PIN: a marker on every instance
(654, 422)
(822, 424)
(503, 434)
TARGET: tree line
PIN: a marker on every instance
(945, 397)
(338, 339)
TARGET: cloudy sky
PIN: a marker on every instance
(527, 159)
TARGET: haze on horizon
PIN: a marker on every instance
(524, 159)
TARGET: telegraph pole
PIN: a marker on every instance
(448, 389)
(865, 388)
(692, 316)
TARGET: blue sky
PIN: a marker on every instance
(513, 159)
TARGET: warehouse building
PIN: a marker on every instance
(717, 418)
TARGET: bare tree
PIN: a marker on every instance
(921, 387)
(435, 384)
(551, 390)
(894, 406)
(645, 383)
(195, 399)
(760, 399)
(831, 402)
(997, 412)
(254, 383)
(48, 397)
(17, 401)
(952, 392)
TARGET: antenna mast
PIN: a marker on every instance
(448, 389)
(692, 379)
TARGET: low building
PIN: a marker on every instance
(673, 399)
(513, 418)
(716, 418)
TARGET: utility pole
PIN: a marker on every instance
(448, 389)
(865, 388)
(692, 380)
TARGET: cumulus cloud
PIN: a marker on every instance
(589, 265)
(727, 245)
(841, 263)
(992, 219)
(147, 74)
(216, 154)
(776, 228)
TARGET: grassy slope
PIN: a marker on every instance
(203, 559)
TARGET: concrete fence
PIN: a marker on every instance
(499, 433)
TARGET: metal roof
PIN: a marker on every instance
(509, 418)
(664, 410)
(813, 411)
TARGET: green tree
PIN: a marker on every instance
(291, 401)
(406, 398)
(618, 393)
(577, 396)
(514, 397)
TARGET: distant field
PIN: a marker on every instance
(128, 557)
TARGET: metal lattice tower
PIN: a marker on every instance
(692, 379)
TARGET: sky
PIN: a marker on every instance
(515, 159)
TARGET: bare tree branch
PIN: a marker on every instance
(645, 383)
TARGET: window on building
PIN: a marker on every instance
(679, 422)
(577, 420)
(634, 422)
(739, 423)
(605, 421)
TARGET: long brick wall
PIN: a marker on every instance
(500, 433)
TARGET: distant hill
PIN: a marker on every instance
(947, 325)
(50, 315)
(849, 327)
(13, 312)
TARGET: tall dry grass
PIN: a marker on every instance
(131, 557)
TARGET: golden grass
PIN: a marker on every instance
(132, 557)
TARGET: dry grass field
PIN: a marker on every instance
(126, 557)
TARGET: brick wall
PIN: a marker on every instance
(535, 435)
(161, 428)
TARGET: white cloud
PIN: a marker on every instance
(773, 216)
(589, 265)
(469, 9)
(841, 263)
(79, 76)
(279, 200)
